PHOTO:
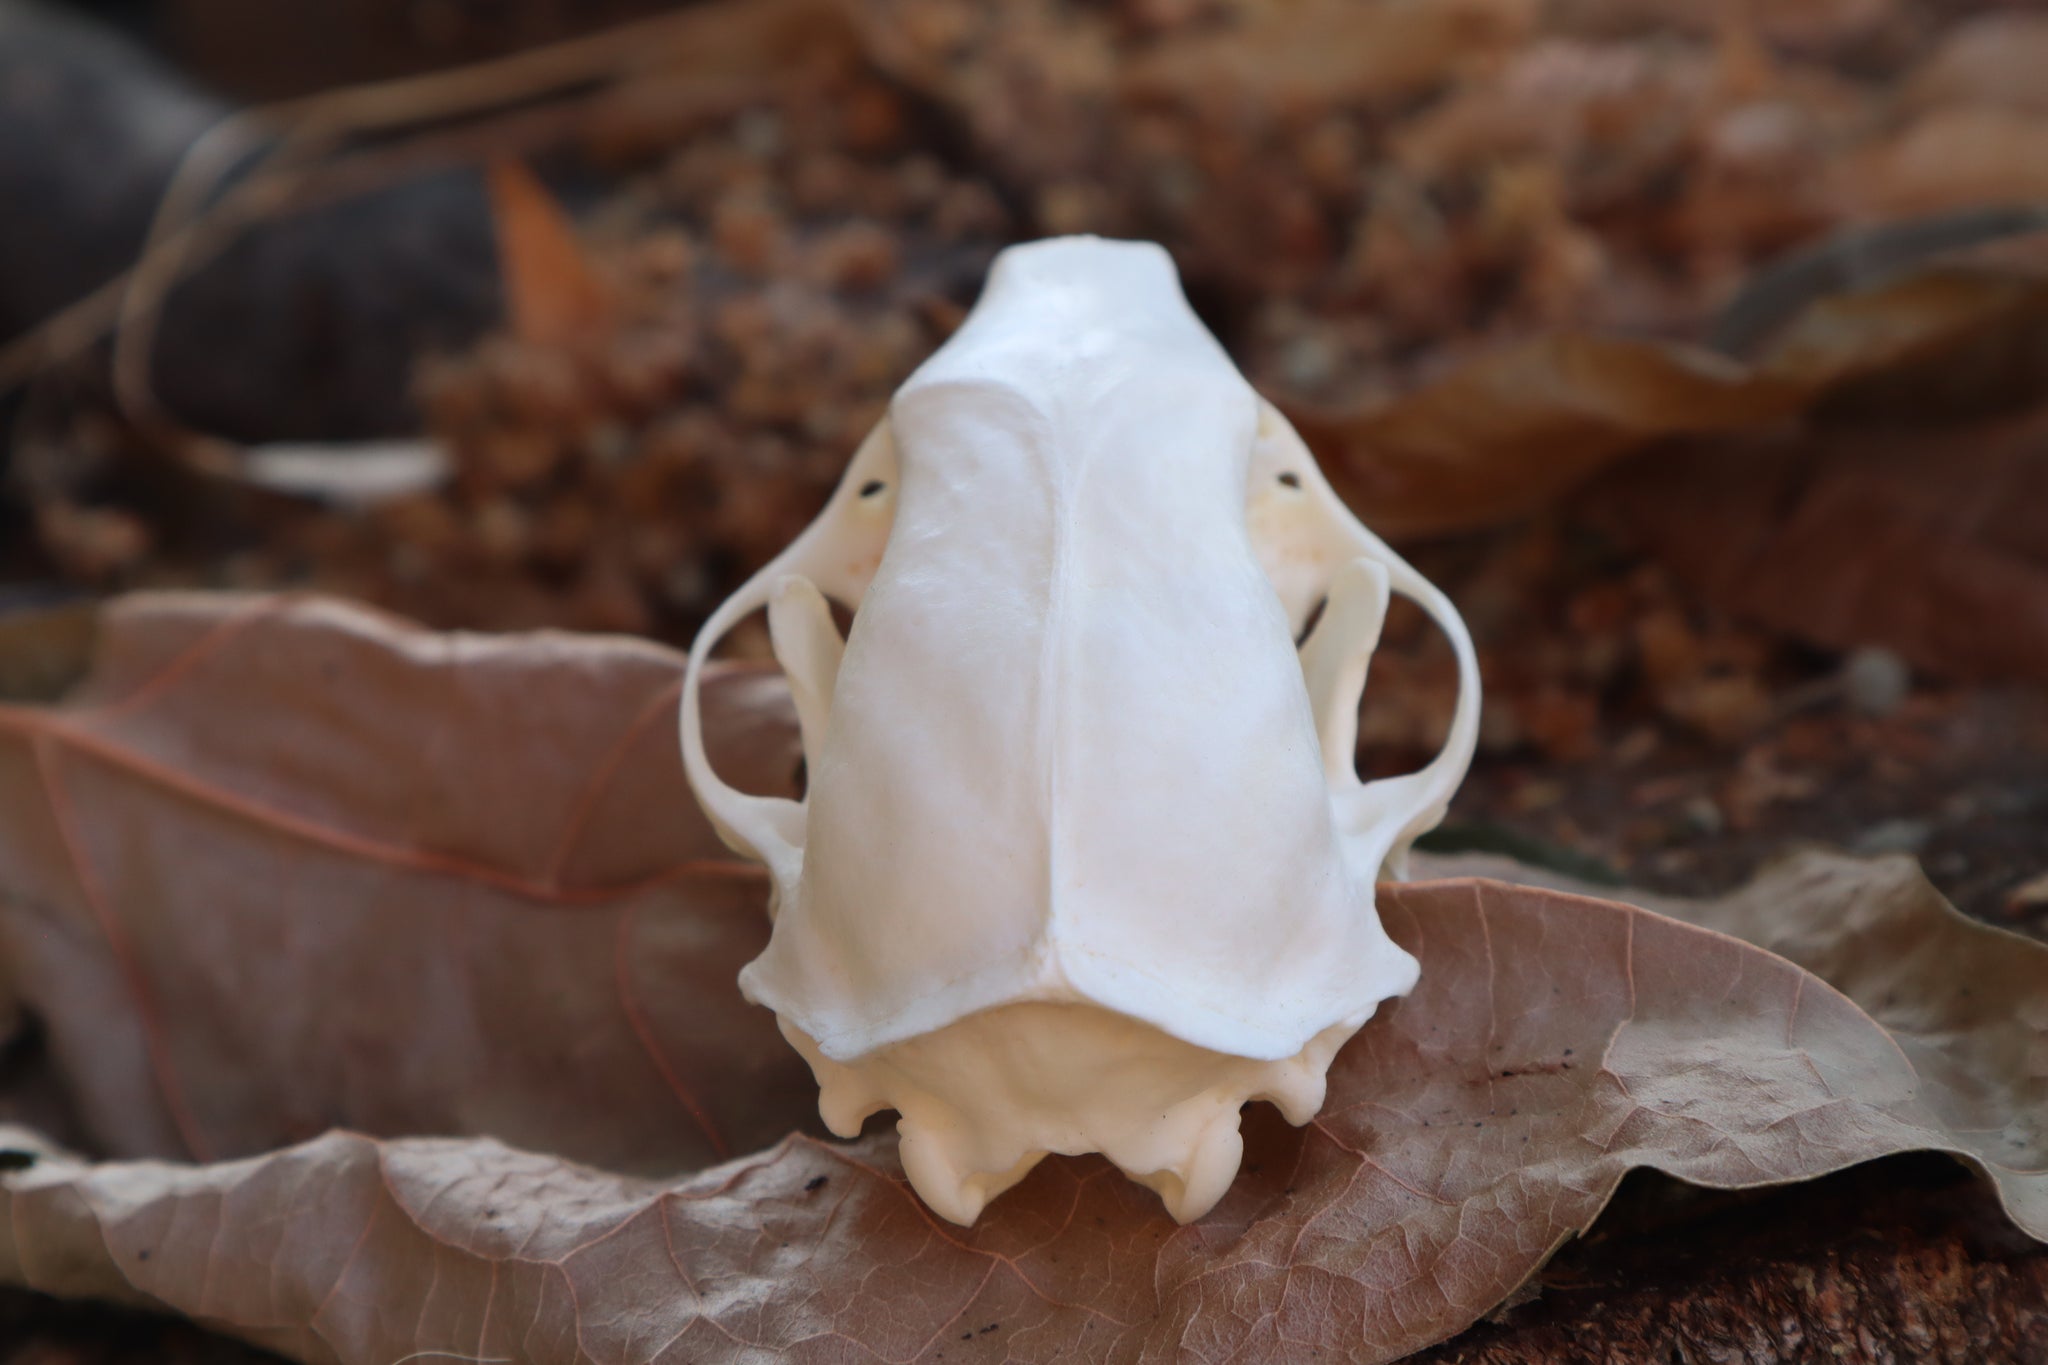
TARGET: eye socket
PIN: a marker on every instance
(1311, 621)
(1291, 479)
(872, 488)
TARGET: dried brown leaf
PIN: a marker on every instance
(1927, 542)
(1966, 1002)
(1992, 59)
(1953, 158)
(1555, 1042)
(283, 866)
(1298, 53)
(1506, 432)
(552, 292)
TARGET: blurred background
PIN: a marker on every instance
(1696, 348)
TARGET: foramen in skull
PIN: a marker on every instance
(1084, 861)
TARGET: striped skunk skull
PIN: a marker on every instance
(1084, 862)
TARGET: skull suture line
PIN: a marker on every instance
(1084, 862)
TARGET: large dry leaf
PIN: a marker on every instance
(1967, 1003)
(1929, 542)
(279, 867)
(1555, 1042)
(1509, 430)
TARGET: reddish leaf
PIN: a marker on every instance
(1511, 429)
(279, 867)
(551, 291)
(1927, 542)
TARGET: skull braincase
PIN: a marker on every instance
(1070, 754)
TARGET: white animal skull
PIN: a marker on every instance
(1084, 862)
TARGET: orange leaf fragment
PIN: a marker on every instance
(552, 293)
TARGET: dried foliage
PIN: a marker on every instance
(1476, 248)
(1555, 1043)
(1391, 188)
(770, 284)
(1505, 434)
(241, 934)
(1860, 537)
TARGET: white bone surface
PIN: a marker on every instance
(1084, 862)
